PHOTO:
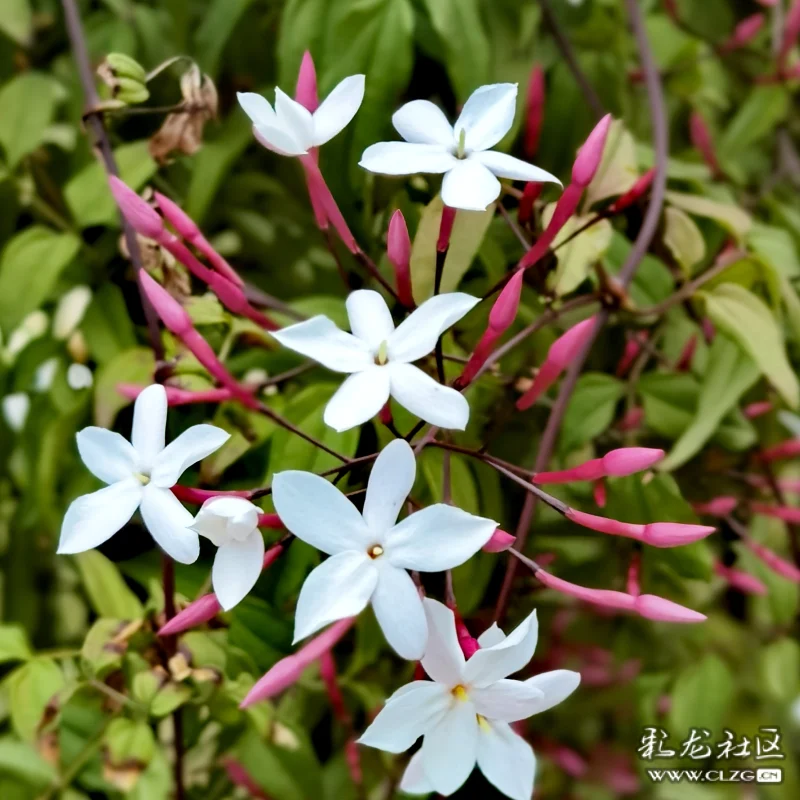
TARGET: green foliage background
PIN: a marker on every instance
(84, 712)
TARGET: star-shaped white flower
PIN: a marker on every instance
(140, 474)
(464, 712)
(378, 358)
(460, 151)
(370, 552)
(231, 523)
(290, 129)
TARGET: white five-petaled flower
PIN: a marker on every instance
(140, 474)
(290, 129)
(231, 523)
(464, 712)
(460, 151)
(370, 552)
(378, 358)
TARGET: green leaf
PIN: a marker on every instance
(87, 193)
(466, 46)
(736, 221)
(130, 366)
(702, 696)
(16, 21)
(31, 688)
(683, 238)
(24, 764)
(128, 740)
(13, 644)
(764, 109)
(776, 247)
(106, 325)
(747, 319)
(38, 251)
(590, 410)
(469, 229)
(23, 123)
(169, 697)
(219, 19)
(730, 373)
(302, 28)
(108, 592)
(780, 670)
(100, 654)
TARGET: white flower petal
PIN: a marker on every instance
(294, 118)
(507, 700)
(339, 587)
(337, 109)
(422, 122)
(169, 524)
(505, 166)
(320, 339)
(491, 636)
(15, 410)
(470, 186)
(370, 318)
(106, 454)
(278, 139)
(556, 686)
(443, 660)
(315, 511)
(94, 518)
(428, 399)
(390, 483)
(149, 424)
(414, 779)
(487, 115)
(237, 566)
(506, 759)
(407, 715)
(191, 446)
(358, 399)
(404, 158)
(449, 751)
(436, 538)
(507, 657)
(416, 336)
(257, 108)
(398, 608)
(224, 518)
(213, 526)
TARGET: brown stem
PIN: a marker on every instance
(646, 233)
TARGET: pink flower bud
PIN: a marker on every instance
(289, 669)
(445, 229)
(398, 249)
(324, 203)
(591, 153)
(469, 645)
(791, 30)
(702, 141)
(170, 311)
(561, 353)
(535, 112)
(758, 409)
(634, 194)
(633, 582)
(684, 362)
(188, 494)
(588, 471)
(327, 671)
(139, 215)
(774, 561)
(717, 506)
(599, 493)
(709, 331)
(568, 760)
(632, 420)
(177, 396)
(657, 608)
(499, 542)
(600, 597)
(306, 91)
(239, 776)
(270, 521)
(743, 33)
(674, 534)
(566, 206)
(738, 579)
(787, 449)
(785, 513)
(627, 460)
(632, 349)
(201, 610)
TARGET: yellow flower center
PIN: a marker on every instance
(383, 354)
(459, 692)
(462, 144)
(142, 478)
(375, 551)
(483, 723)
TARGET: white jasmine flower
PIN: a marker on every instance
(70, 310)
(460, 151)
(290, 129)
(79, 376)
(15, 410)
(45, 374)
(378, 358)
(139, 474)
(370, 552)
(464, 712)
(231, 523)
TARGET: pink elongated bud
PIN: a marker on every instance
(288, 670)
(202, 610)
(469, 645)
(591, 153)
(445, 229)
(633, 419)
(271, 521)
(632, 349)
(239, 776)
(326, 209)
(306, 91)
(616, 463)
(500, 541)
(188, 494)
(743, 33)
(660, 609)
(741, 580)
(561, 353)
(633, 582)
(187, 229)
(657, 534)
(177, 396)
(684, 362)
(777, 564)
(717, 507)
(700, 136)
(758, 409)
(568, 760)
(791, 30)
(709, 331)
(599, 493)
(502, 315)
(398, 249)
(535, 112)
(635, 193)
(170, 311)
(530, 194)
(327, 671)
(787, 449)
(142, 217)
(606, 598)
(785, 513)
(566, 206)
